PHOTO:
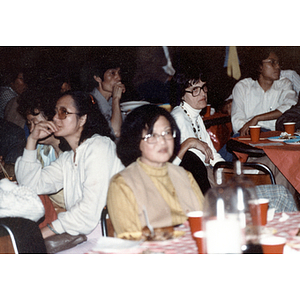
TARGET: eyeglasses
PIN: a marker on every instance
(154, 137)
(197, 90)
(62, 113)
(273, 62)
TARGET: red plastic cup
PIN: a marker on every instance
(273, 244)
(195, 221)
(199, 237)
(289, 127)
(254, 133)
(259, 211)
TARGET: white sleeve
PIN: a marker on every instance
(29, 172)
(206, 138)
(238, 117)
(288, 96)
(100, 164)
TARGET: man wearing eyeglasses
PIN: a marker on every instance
(262, 99)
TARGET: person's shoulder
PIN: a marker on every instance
(245, 82)
(99, 139)
(283, 80)
(177, 111)
(288, 73)
(117, 178)
(99, 142)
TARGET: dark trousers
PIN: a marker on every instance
(192, 163)
(27, 234)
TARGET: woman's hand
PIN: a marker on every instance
(46, 232)
(196, 144)
(40, 131)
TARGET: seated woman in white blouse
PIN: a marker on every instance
(198, 153)
(84, 172)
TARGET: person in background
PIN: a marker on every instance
(150, 185)
(292, 114)
(197, 153)
(263, 98)
(153, 73)
(12, 143)
(48, 81)
(77, 119)
(294, 78)
(14, 85)
(107, 91)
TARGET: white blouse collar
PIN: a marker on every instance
(193, 113)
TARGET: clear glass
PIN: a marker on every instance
(226, 216)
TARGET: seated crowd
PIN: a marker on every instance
(149, 167)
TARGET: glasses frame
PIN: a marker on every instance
(163, 134)
(198, 87)
(66, 113)
(273, 62)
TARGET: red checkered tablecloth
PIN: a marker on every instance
(287, 228)
(280, 226)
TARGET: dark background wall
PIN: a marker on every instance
(73, 59)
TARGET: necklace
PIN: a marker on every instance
(196, 131)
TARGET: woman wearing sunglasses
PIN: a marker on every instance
(198, 154)
(150, 192)
(83, 173)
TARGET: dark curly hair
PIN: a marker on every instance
(36, 100)
(184, 77)
(259, 54)
(95, 121)
(143, 117)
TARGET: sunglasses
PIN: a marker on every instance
(62, 113)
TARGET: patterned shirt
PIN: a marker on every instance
(6, 94)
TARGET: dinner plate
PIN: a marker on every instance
(114, 245)
(293, 142)
(130, 105)
(283, 139)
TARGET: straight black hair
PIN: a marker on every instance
(143, 117)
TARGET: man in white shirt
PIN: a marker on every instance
(264, 100)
